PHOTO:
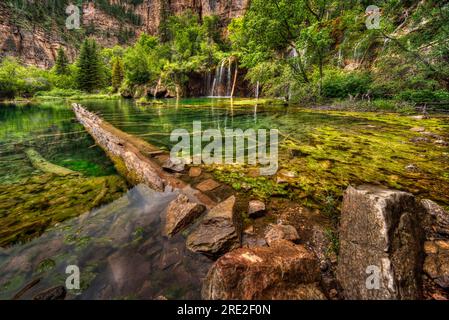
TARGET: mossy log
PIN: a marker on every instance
(41, 164)
(133, 157)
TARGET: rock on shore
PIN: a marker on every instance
(380, 236)
(282, 271)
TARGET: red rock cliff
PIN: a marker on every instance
(37, 45)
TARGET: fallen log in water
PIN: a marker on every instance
(133, 157)
(45, 166)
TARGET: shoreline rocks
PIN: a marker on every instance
(381, 245)
(277, 232)
(180, 214)
(218, 232)
(282, 271)
(256, 208)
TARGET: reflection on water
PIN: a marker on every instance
(119, 249)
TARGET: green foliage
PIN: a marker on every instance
(10, 74)
(89, 75)
(17, 80)
(61, 63)
(117, 74)
(139, 63)
(337, 84)
(311, 37)
(423, 96)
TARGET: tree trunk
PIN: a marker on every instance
(135, 159)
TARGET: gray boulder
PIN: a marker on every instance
(218, 232)
(281, 232)
(180, 214)
(381, 245)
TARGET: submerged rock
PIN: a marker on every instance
(281, 232)
(441, 142)
(219, 231)
(180, 213)
(420, 140)
(381, 240)
(411, 168)
(256, 208)
(208, 185)
(284, 176)
(282, 271)
(56, 293)
(436, 265)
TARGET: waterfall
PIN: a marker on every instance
(222, 82)
(340, 57)
(214, 84)
(213, 88)
(220, 77)
(156, 89)
(228, 84)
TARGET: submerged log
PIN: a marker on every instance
(45, 166)
(133, 157)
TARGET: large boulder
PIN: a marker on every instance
(218, 232)
(282, 271)
(180, 214)
(381, 244)
(436, 265)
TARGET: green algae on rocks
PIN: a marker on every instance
(329, 150)
(29, 207)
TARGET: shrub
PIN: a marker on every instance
(340, 84)
(423, 96)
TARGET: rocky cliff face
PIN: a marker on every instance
(37, 45)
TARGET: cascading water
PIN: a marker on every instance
(228, 84)
(222, 82)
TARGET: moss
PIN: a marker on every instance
(31, 206)
(259, 187)
(334, 242)
(123, 170)
(336, 149)
(13, 284)
(45, 265)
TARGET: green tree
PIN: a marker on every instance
(141, 60)
(89, 75)
(11, 73)
(62, 62)
(118, 74)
